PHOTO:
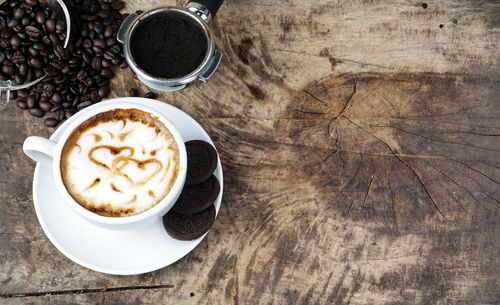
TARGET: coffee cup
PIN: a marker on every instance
(119, 165)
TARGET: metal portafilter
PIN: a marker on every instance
(166, 51)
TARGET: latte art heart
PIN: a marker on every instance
(120, 163)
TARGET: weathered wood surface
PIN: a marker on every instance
(360, 144)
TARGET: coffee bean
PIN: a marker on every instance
(32, 31)
(31, 101)
(68, 113)
(39, 46)
(87, 43)
(116, 49)
(60, 115)
(88, 82)
(151, 95)
(60, 26)
(15, 42)
(51, 122)
(31, 2)
(84, 104)
(96, 49)
(23, 69)
(56, 98)
(82, 74)
(108, 31)
(59, 79)
(117, 5)
(25, 21)
(76, 101)
(18, 79)
(60, 52)
(50, 71)
(32, 51)
(18, 12)
(83, 90)
(55, 108)
(123, 64)
(74, 62)
(95, 97)
(110, 42)
(38, 73)
(108, 55)
(116, 61)
(107, 73)
(45, 104)
(36, 63)
(88, 17)
(12, 23)
(105, 63)
(9, 69)
(104, 6)
(98, 28)
(21, 103)
(97, 63)
(87, 58)
(18, 58)
(50, 25)
(133, 92)
(103, 14)
(101, 43)
(23, 93)
(104, 91)
(66, 104)
(104, 82)
(40, 17)
(30, 76)
(53, 38)
(37, 112)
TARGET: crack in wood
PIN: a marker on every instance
(405, 164)
(314, 97)
(432, 139)
(393, 204)
(80, 291)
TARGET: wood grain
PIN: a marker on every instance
(359, 142)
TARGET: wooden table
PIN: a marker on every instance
(360, 142)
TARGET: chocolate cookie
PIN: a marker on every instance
(189, 227)
(197, 198)
(202, 161)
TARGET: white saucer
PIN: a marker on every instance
(114, 252)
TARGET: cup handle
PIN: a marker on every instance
(39, 149)
(120, 36)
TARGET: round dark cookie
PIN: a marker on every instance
(197, 198)
(202, 161)
(189, 227)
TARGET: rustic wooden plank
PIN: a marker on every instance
(359, 141)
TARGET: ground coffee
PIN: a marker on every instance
(168, 45)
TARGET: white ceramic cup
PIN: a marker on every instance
(48, 153)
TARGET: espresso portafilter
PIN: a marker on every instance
(200, 12)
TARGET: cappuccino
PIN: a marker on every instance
(120, 162)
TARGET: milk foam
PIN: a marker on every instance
(120, 167)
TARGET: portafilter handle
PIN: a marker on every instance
(205, 9)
